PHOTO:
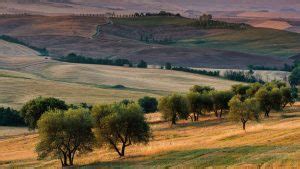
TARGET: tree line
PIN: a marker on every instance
(241, 103)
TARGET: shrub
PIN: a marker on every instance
(148, 104)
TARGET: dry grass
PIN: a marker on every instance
(271, 143)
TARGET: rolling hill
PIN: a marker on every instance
(188, 46)
(25, 75)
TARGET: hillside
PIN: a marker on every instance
(175, 40)
(272, 143)
(23, 77)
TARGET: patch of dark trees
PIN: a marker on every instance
(242, 76)
(10, 117)
(286, 67)
(195, 71)
(42, 51)
(74, 58)
(212, 24)
(161, 13)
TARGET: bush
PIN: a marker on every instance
(10, 117)
(148, 104)
(142, 64)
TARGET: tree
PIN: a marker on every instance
(120, 126)
(149, 104)
(243, 111)
(198, 103)
(34, 109)
(201, 89)
(126, 101)
(294, 78)
(269, 100)
(174, 107)
(287, 97)
(240, 90)
(10, 117)
(220, 100)
(168, 66)
(63, 134)
(142, 64)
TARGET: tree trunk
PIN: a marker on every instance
(267, 112)
(195, 118)
(216, 113)
(173, 119)
(244, 123)
(123, 150)
(65, 159)
(221, 113)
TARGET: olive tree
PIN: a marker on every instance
(149, 104)
(220, 101)
(174, 107)
(243, 111)
(269, 100)
(198, 104)
(63, 134)
(34, 109)
(287, 96)
(120, 126)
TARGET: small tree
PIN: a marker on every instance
(201, 89)
(142, 64)
(287, 97)
(243, 111)
(34, 109)
(269, 100)
(240, 90)
(198, 104)
(168, 66)
(220, 100)
(120, 126)
(149, 104)
(294, 78)
(174, 107)
(63, 134)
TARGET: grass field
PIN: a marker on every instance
(271, 143)
(25, 76)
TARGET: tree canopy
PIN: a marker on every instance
(149, 104)
(34, 109)
(174, 107)
(120, 126)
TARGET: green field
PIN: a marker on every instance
(253, 40)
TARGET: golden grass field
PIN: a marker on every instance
(271, 143)
(24, 75)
